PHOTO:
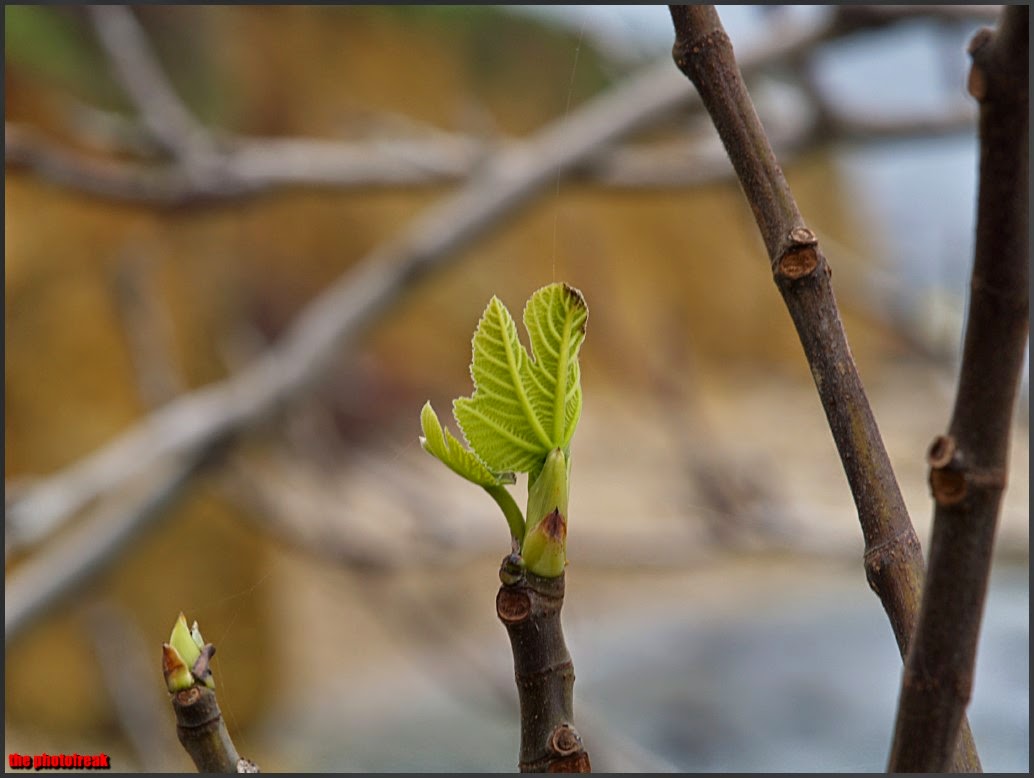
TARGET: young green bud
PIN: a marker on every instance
(183, 641)
(511, 571)
(545, 540)
(185, 647)
(548, 492)
(545, 546)
(177, 674)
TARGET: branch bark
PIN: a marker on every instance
(969, 463)
(203, 734)
(529, 608)
(893, 557)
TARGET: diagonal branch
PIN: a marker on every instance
(968, 465)
(893, 558)
(141, 75)
(41, 582)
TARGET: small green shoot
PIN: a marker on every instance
(180, 657)
(521, 416)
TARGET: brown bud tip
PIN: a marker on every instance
(174, 669)
(554, 526)
(171, 660)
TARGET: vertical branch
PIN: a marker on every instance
(529, 607)
(186, 665)
(893, 556)
(968, 465)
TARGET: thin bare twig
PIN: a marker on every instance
(143, 79)
(203, 734)
(893, 557)
(254, 166)
(968, 465)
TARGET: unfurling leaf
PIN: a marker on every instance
(524, 406)
(443, 445)
(521, 417)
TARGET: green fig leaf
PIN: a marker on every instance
(555, 318)
(525, 406)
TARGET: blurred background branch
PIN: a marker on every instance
(508, 180)
(206, 167)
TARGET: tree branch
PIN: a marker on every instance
(203, 734)
(893, 557)
(258, 166)
(142, 77)
(529, 608)
(968, 465)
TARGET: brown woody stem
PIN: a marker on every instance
(968, 465)
(893, 556)
(202, 732)
(529, 607)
